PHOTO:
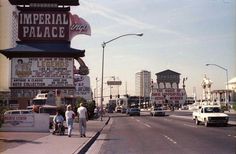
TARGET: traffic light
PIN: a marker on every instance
(118, 96)
(110, 96)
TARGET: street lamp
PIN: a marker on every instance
(227, 79)
(103, 47)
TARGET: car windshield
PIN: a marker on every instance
(157, 109)
(212, 110)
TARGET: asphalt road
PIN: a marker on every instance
(163, 135)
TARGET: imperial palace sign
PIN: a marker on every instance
(47, 25)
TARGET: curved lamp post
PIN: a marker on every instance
(227, 86)
(103, 47)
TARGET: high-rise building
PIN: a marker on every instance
(143, 83)
(7, 40)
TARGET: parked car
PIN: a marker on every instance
(134, 111)
(157, 112)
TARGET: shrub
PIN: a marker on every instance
(234, 106)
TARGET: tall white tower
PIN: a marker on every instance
(143, 83)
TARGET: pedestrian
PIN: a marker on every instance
(83, 117)
(58, 119)
(69, 119)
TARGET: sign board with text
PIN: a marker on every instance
(114, 83)
(43, 26)
(82, 86)
(42, 72)
(169, 94)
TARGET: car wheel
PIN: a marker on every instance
(196, 121)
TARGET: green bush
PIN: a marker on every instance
(234, 106)
(89, 105)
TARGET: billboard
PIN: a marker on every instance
(42, 72)
(43, 25)
(169, 94)
(82, 86)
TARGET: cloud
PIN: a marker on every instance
(117, 17)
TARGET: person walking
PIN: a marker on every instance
(69, 119)
(83, 117)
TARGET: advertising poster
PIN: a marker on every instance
(42, 72)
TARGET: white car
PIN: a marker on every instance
(157, 112)
(210, 115)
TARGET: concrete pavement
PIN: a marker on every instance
(53, 144)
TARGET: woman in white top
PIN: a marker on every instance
(69, 119)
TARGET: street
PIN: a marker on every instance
(164, 135)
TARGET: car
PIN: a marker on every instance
(210, 115)
(127, 110)
(157, 112)
(118, 109)
(18, 112)
(124, 110)
(134, 111)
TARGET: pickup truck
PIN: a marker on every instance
(210, 115)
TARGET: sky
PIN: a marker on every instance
(181, 35)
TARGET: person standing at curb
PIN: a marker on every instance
(83, 117)
(69, 119)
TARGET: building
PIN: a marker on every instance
(166, 91)
(143, 83)
(8, 23)
(41, 59)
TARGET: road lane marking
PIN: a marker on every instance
(170, 139)
(147, 125)
(137, 120)
(190, 125)
(229, 135)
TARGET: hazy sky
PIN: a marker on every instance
(180, 35)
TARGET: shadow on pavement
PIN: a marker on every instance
(19, 141)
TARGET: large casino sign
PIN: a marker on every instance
(36, 25)
(50, 25)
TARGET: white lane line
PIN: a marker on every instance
(170, 139)
(190, 125)
(143, 123)
(147, 125)
(234, 136)
(229, 135)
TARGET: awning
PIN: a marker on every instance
(61, 49)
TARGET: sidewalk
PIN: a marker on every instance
(52, 144)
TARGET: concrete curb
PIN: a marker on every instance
(89, 143)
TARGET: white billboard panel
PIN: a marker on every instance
(42, 72)
(82, 86)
